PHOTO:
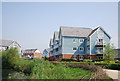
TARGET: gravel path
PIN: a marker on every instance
(114, 74)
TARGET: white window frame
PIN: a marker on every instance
(81, 58)
(80, 40)
(82, 48)
(74, 41)
(74, 47)
(74, 57)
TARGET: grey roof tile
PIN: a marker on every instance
(75, 31)
(6, 43)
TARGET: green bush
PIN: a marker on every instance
(112, 65)
(67, 60)
(10, 58)
(87, 60)
(117, 62)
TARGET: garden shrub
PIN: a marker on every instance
(87, 60)
(10, 58)
(114, 66)
(67, 60)
(111, 65)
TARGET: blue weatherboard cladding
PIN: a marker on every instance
(66, 44)
(45, 53)
(99, 34)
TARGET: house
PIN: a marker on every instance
(31, 54)
(46, 53)
(7, 44)
(79, 43)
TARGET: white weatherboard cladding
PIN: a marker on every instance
(100, 34)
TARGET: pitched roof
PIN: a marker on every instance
(75, 31)
(93, 31)
(48, 49)
(30, 50)
(56, 35)
(51, 41)
(6, 42)
(102, 30)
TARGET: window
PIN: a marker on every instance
(74, 57)
(81, 40)
(81, 58)
(56, 49)
(88, 45)
(81, 48)
(74, 40)
(100, 40)
(74, 48)
(100, 57)
(51, 51)
(100, 49)
(88, 48)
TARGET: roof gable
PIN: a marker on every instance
(51, 42)
(101, 29)
(56, 34)
(6, 43)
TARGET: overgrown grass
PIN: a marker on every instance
(60, 71)
(39, 69)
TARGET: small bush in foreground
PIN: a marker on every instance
(10, 58)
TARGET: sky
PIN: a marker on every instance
(32, 24)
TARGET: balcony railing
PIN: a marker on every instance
(99, 52)
(100, 44)
(56, 46)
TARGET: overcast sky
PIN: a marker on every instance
(32, 24)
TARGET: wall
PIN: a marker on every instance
(98, 34)
(68, 44)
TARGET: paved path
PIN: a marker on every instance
(114, 74)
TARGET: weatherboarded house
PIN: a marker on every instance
(79, 43)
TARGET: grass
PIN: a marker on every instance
(39, 69)
(47, 70)
(78, 73)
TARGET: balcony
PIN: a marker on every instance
(56, 46)
(100, 44)
(99, 50)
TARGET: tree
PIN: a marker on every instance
(10, 57)
(109, 52)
